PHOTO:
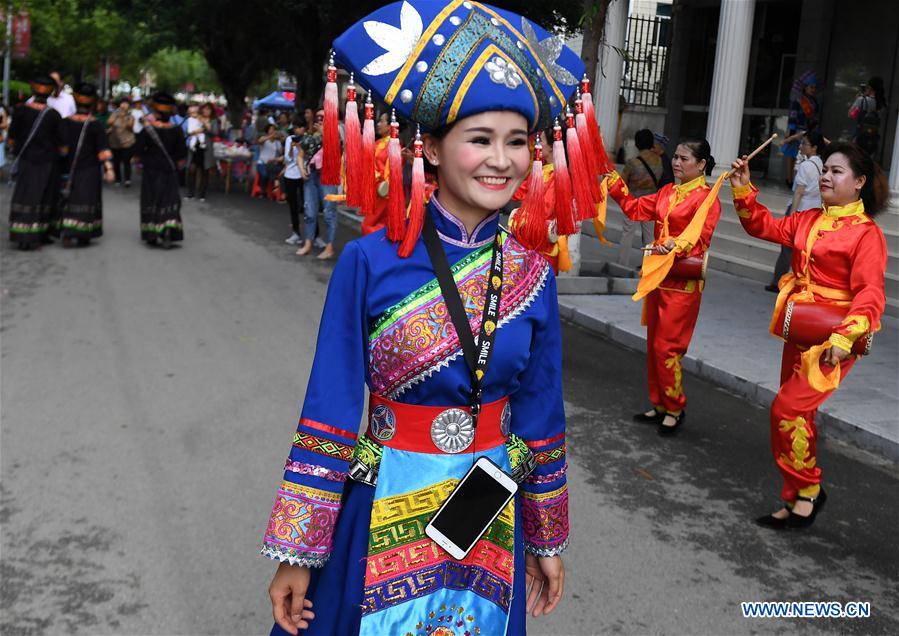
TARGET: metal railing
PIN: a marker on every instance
(646, 60)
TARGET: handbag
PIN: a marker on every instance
(808, 324)
(690, 268)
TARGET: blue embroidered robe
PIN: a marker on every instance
(385, 325)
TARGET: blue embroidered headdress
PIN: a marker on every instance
(436, 62)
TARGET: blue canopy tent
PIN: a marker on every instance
(278, 99)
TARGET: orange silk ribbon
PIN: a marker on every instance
(657, 266)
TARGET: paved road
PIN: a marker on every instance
(149, 399)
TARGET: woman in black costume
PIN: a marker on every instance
(162, 151)
(81, 201)
(35, 139)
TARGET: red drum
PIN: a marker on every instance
(689, 268)
(810, 324)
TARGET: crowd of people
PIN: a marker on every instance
(54, 145)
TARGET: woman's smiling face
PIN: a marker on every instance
(839, 185)
(481, 161)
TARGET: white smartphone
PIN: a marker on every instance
(470, 509)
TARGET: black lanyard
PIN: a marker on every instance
(477, 356)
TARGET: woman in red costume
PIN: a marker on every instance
(839, 258)
(685, 217)
(555, 246)
(378, 217)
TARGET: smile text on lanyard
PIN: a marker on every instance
(477, 356)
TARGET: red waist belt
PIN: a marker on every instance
(437, 429)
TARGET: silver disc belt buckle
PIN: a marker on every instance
(453, 430)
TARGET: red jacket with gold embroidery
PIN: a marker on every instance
(675, 204)
(834, 249)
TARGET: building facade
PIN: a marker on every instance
(724, 69)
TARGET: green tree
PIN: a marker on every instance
(173, 68)
(74, 36)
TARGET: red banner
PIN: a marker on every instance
(21, 35)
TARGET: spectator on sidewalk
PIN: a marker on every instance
(840, 273)
(101, 112)
(803, 117)
(806, 195)
(201, 153)
(314, 192)
(642, 175)
(660, 147)
(269, 152)
(284, 125)
(120, 129)
(61, 100)
(138, 113)
(866, 111)
(293, 179)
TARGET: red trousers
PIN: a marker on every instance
(670, 318)
(793, 432)
(377, 219)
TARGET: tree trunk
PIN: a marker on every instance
(595, 12)
(237, 97)
(310, 84)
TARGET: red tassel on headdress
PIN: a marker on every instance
(396, 197)
(416, 199)
(530, 219)
(368, 159)
(580, 177)
(604, 165)
(353, 145)
(330, 174)
(583, 136)
(562, 185)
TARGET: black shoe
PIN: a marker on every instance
(648, 419)
(798, 522)
(772, 288)
(668, 431)
(772, 522)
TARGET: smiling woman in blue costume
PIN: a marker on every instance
(349, 517)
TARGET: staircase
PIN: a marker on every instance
(735, 252)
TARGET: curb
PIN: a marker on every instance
(830, 426)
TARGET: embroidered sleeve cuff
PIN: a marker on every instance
(545, 521)
(301, 525)
(854, 326)
(617, 187)
(741, 192)
(842, 342)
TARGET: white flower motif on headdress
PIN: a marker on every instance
(502, 72)
(548, 50)
(398, 42)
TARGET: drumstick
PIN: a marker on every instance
(760, 148)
